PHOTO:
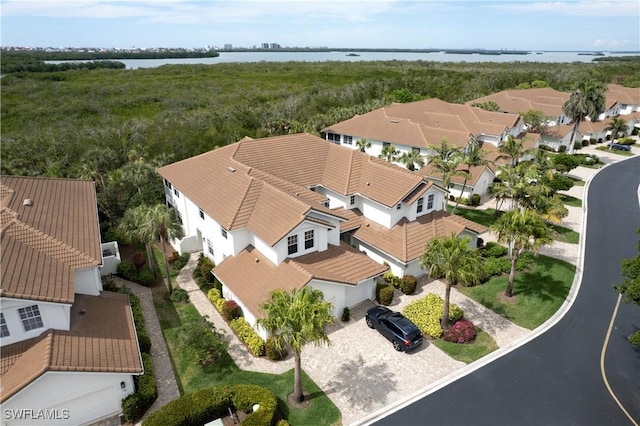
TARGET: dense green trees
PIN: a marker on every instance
(630, 287)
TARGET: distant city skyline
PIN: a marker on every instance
(572, 25)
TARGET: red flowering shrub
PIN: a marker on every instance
(462, 331)
(231, 310)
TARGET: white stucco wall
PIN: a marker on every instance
(87, 281)
(53, 315)
(72, 398)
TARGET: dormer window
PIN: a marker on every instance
(223, 232)
(308, 239)
(430, 202)
(4, 330)
(399, 206)
(420, 204)
(30, 317)
(348, 140)
(292, 244)
(352, 200)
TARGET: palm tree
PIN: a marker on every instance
(616, 126)
(511, 149)
(163, 222)
(410, 159)
(587, 101)
(452, 259)
(521, 230)
(446, 161)
(296, 319)
(389, 153)
(132, 228)
(472, 156)
(363, 144)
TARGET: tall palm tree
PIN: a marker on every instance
(521, 229)
(587, 101)
(362, 144)
(616, 126)
(296, 319)
(389, 153)
(165, 224)
(452, 259)
(472, 156)
(410, 159)
(511, 149)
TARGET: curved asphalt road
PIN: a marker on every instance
(556, 379)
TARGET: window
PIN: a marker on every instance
(209, 247)
(333, 137)
(201, 213)
(223, 232)
(430, 202)
(308, 239)
(352, 200)
(30, 317)
(167, 184)
(178, 215)
(386, 144)
(176, 193)
(420, 204)
(292, 244)
(415, 150)
(4, 330)
(348, 140)
(399, 206)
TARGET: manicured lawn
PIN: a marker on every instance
(577, 182)
(193, 376)
(488, 217)
(468, 352)
(538, 292)
(571, 201)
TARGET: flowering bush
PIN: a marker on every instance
(231, 310)
(427, 312)
(462, 331)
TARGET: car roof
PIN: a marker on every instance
(401, 321)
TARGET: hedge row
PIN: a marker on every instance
(248, 335)
(136, 404)
(141, 329)
(128, 270)
(205, 405)
(427, 312)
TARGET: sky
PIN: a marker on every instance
(573, 25)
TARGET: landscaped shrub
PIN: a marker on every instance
(273, 352)
(462, 331)
(392, 279)
(179, 295)
(127, 270)
(135, 405)
(213, 295)
(205, 405)
(493, 249)
(248, 335)
(231, 310)
(180, 261)
(475, 199)
(346, 314)
(138, 260)
(138, 318)
(563, 148)
(497, 266)
(626, 141)
(384, 294)
(408, 284)
(145, 277)
(426, 313)
(220, 305)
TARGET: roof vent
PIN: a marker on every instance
(27, 202)
(257, 260)
(82, 311)
(367, 183)
(395, 121)
(231, 169)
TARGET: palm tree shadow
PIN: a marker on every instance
(539, 284)
(356, 379)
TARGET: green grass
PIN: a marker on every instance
(565, 235)
(468, 352)
(488, 217)
(570, 201)
(577, 181)
(538, 292)
(193, 376)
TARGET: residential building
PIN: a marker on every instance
(69, 350)
(291, 211)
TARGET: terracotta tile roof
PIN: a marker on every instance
(42, 244)
(625, 95)
(101, 338)
(474, 174)
(425, 123)
(517, 101)
(264, 184)
(406, 240)
(251, 276)
(354, 218)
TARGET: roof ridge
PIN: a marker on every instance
(244, 200)
(48, 350)
(47, 245)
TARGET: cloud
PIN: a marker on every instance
(611, 43)
(623, 8)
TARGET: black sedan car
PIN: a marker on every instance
(402, 333)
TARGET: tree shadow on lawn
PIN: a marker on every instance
(541, 284)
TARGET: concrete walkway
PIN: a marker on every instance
(360, 371)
